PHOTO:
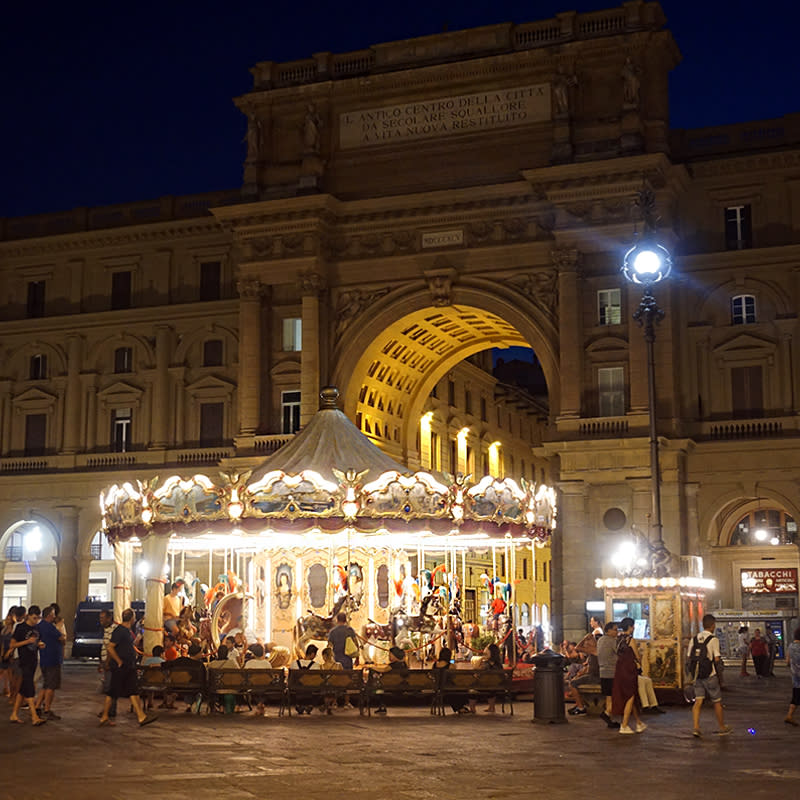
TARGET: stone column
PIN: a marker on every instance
(154, 553)
(249, 388)
(67, 565)
(159, 436)
(570, 329)
(2, 575)
(5, 417)
(90, 390)
(84, 563)
(311, 285)
(577, 572)
(72, 396)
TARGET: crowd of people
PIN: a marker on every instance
(32, 645)
(32, 640)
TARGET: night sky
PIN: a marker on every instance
(111, 103)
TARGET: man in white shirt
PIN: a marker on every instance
(708, 686)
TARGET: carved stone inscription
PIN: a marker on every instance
(463, 113)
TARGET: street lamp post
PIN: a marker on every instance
(647, 263)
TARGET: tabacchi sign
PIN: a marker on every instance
(445, 115)
(769, 581)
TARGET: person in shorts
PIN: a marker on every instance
(51, 656)
(708, 688)
(607, 661)
(124, 680)
(25, 640)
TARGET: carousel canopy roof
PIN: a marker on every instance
(329, 442)
(328, 478)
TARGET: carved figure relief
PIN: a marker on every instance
(541, 287)
(561, 86)
(311, 129)
(351, 304)
(440, 285)
(254, 138)
(630, 83)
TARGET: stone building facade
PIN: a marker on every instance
(403, 209)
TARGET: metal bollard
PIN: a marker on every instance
(548, 687)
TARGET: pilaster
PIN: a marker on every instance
(250, 291)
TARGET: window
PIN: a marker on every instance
(210, 272)
(453, 456)
(290, 411)
(738, 228)
(483, 409)
(468, 401)
(123, 360)
(609, 307)
(451, 393)
(35, 433)
(211, 423)
(38, 367)
(292, 335)
(524, 568)
(120, 290)
(743, 309)
(36, 298)
(611, 391)
(212, 353)
(747, 392)
(121, 430)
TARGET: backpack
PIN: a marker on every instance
(699, 665)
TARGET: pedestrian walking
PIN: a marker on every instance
(706, 680)
(25, 640)
(760, 654)
(793, 660)
(607, 664)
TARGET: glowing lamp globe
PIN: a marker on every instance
(647, 262)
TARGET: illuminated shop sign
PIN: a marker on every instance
(769, 581)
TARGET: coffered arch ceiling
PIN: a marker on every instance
(404, 359)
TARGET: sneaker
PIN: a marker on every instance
(697, 733)
(626, 729)
(52, 715)
(610, 722)
(641, 727)
(577, 712)
(725, 731)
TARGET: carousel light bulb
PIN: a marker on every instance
(143, 569)
(147, 515)
(235, 509)
(774, 540)
(761, 535)
(350, 508)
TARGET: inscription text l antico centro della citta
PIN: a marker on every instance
(462, 113)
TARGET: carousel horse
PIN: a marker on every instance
(424, 622)
(375, 632)
(315, 627)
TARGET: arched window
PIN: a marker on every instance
(743, 309)
(764, 527)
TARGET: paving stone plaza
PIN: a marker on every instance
(407, 754)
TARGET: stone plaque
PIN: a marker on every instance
(442, 238)
(500, 108)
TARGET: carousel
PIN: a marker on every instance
(328, 523)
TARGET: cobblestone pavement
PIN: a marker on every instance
(407, 754)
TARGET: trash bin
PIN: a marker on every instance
(548, 687)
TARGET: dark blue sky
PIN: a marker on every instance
(110, 102)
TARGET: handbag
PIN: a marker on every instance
(350, 647)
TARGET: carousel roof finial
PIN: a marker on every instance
(329, 397)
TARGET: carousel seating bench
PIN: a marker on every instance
(310, 687)
(159, 679)
(400, 684)
(253, 685)
(475, 684)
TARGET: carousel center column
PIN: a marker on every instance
(249, 389)
(123, 574)
(154, 554)
(311, 285)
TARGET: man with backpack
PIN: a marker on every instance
(703, 659)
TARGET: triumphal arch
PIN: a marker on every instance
(404, 210)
